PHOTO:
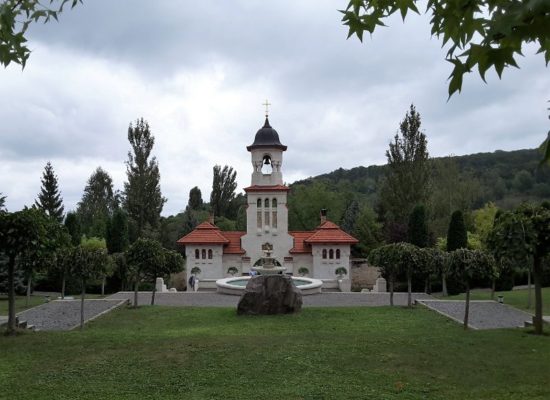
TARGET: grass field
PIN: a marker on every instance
(211, 353)
(515, 298)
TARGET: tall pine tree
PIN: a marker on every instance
(408, 173)
(143, 198)
(49, 199)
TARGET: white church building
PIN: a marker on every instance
(216, 253)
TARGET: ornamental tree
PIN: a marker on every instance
(438, 263)
(383, 258)
(87, 262)
(457, 236)
(19, 232)
(524, 235)
(145, 258)
(468, 265)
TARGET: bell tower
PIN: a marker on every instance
(267, 212)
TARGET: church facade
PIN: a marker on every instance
(219, 254)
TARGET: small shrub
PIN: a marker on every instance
(303, 271)
(341, 271)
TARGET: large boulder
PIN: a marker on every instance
(270, 294)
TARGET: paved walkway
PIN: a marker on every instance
(63, 315)
(213, 299)
(483, 314)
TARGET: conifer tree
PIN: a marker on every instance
(2, 203)
(195, 199)
(418, 233)
(117, 232)
(407, 179)
(457, 237)
(143, 198)
(49, 199)
(349, 219)
(72, 223)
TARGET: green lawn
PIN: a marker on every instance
(516, 298)
(21, 302)
(339, 353)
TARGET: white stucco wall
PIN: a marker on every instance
(210, 269)
(232, 260)
(325, 268)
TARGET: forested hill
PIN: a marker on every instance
(504, 177)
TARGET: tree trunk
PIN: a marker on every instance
(493, 287)
(444, 285)
(391, 291)
(537, 277)
(467, 306)
(82, 295)
(136, 286)
(529, 288)
(11, 296)
(63, 287)
(103, 286)
(29, 285)
(409, 289)
(427, 285)
(153, 294)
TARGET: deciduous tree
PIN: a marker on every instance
(16, 17)
(143, 198)
(482, 34)
(469, 265)
(144, 258)
(97, 204)
(195, 199)
(224, 184)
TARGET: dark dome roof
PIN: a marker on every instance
(266, 137)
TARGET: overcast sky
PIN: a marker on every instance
(199, 72)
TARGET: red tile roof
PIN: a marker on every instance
(234, 246)
(299, 245)
(205, 233)
(329, 232)
(271, 188)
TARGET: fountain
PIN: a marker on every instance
(267, 263)
(267, 266)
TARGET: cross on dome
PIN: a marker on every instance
(266, 104)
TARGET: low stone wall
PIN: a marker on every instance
(363, 275)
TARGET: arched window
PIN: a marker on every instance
(259, 203)
(259, 217)
(324, 253)
(274, 203)
(337, 254)
(203, 253)
(266, 203)
(209, 254)
(197, 254)
(331, 254)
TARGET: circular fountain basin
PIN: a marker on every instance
(236, 285)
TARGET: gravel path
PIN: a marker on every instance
(62, 315)
(483, 314)
(213, 299)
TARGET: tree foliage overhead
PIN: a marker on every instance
(16, 17)
(408, 173)
(482, 34)
(224, 185)
(49, 199)
(97, 204)
(143, 198)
